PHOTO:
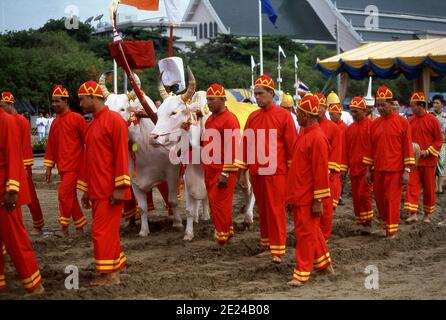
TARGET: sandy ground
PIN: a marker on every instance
(163, 266)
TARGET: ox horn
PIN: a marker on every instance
(102, 85)
(132, 94)
(191, 87)
(163, 93)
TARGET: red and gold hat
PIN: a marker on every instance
(7, 97)
(216, 91)
(358, 103)
(309, 104)
(265, 81)
(321, 98)
(335, 108)
(384, 93)
(60, 91)
(418, 97)
(90, 88)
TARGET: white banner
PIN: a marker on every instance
(173, 11)
(282, 52)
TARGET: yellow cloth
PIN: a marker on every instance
(241, 111)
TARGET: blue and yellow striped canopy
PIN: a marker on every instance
(389, 59)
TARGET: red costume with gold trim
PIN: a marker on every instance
(221, 159)
(389, 150)
(307, 181)
(12, 231)
(104, 169)
(334, 106)
(427, 133)
(27, 151)
(64, 149)
(356, 140)
(269, 185)
(333, 134)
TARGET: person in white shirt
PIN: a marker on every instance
(48, 124)
(41, 122)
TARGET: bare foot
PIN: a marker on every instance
(115, 278)
(366, 230)
(393, 236)
(328, 270)
(61, 233)
(295, 283)
(412, 218)
(130, 224)
(106, 279)
(37, 291)
(263, 254)
(36, 232)
(426, 219)
(277, 259)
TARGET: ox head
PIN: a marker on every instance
(124, 104)
(175, 114)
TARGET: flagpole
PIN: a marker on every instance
(261, 37)
(296, 81)
(252, 73)
(279, 79)
(115, 76)
(171, 41)
(252, 81)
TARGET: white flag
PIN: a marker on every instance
(296, 60)
(112, 8)
(281, 51)
(173, 11)
(253, 63)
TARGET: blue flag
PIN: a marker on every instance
(267, 8)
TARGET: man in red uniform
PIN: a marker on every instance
(426, 132)
(7, 101)
(14, 193)
(64, 149)
(390, 153)
(335, 112)
(333, 134)
(307, 186)
(356, 140)
(267, 145)
(220, 174)
(105, 181)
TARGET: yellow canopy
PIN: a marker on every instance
(389, 59)
(241, 110)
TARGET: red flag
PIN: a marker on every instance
(149, 5)
(139, 54)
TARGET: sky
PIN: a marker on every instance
(24, 14)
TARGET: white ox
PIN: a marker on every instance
(173, 116)
(177, 124)
(152, 163)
